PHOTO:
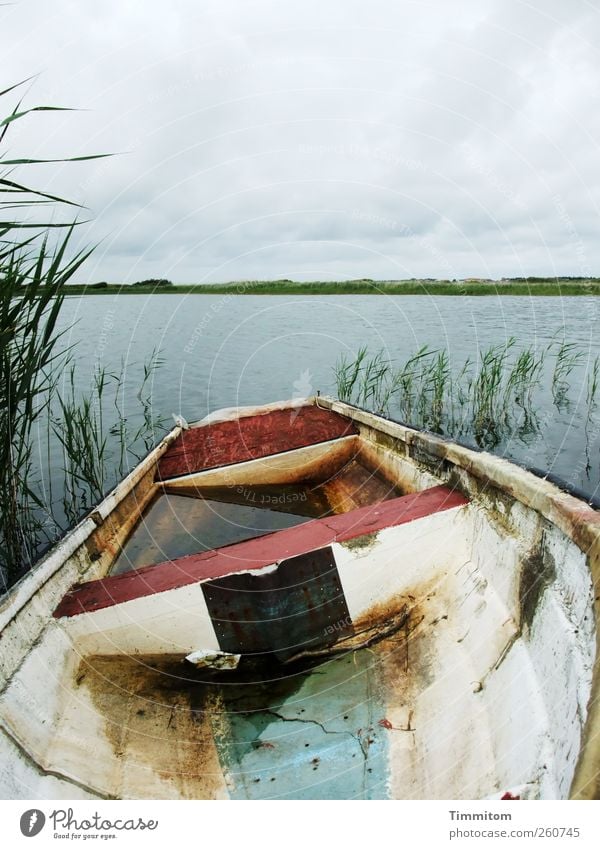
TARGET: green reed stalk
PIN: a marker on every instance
(488, 402)
(567, 358)
(592, 384)
(33, 276)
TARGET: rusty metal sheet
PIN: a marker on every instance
(283, 609)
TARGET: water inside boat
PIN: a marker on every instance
(191, 519)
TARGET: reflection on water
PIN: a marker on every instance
(176, 525)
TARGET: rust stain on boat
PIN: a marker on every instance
(537, 573)
(111, 533)
(157, 717)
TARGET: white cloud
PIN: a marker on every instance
(312, 139)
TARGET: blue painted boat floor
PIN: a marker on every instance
(311, 734)
(266, 730)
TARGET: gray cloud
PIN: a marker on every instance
(314, 139)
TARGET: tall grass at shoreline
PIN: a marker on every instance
(36, 264)
(523, 287)
(35, 268)
(99, 444)
(489, 399)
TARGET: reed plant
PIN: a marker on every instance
(492, 398)
(36, 263)
(567, 358)
(99, 443)
(593, 383)
(347, 373)
(33, 275)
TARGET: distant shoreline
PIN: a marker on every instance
(535, 286)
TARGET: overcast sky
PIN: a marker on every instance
(319, 139)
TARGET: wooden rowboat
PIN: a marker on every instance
(305, 600)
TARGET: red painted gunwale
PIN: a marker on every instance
(256, 553)
(250, 438)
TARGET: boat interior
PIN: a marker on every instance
(187, 515)
(305, 600)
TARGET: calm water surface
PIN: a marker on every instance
(222, 351)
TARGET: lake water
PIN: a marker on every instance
(224, 350)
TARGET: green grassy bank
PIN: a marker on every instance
(565, 286)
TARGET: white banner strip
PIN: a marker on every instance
(286, 825)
